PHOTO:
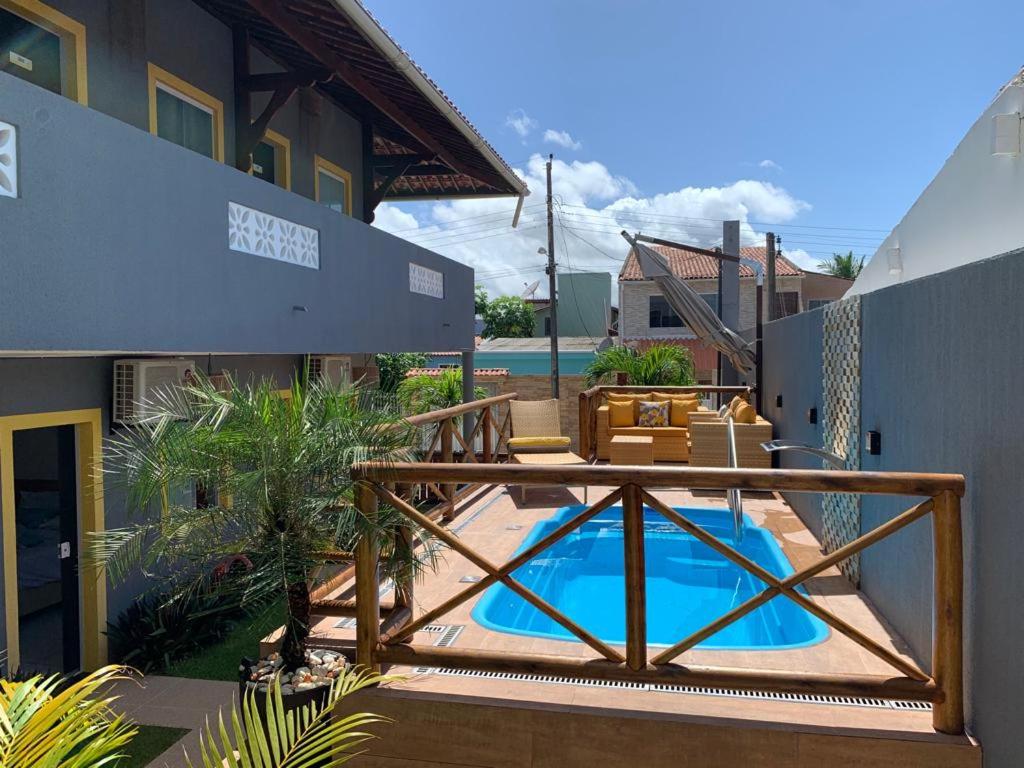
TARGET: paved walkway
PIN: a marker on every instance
(175, 702)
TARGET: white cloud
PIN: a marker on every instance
(769, 165)
(521, 123)
(802, 259)
(594, 204)
(562, 139)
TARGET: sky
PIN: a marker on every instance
(821, 121)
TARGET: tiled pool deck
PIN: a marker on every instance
(494, 522)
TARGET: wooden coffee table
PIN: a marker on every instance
(632, 450)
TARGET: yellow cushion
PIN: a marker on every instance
(675, 396)
(735, 403)
(745, 413)
(681, 410)
(620, 414)
(627, 396)
(539, 442)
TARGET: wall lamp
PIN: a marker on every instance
(873, 443)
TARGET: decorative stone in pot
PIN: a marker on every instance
(309, 683)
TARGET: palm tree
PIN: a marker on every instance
(276, 469)
(52, 723)
(840, 265)
(419, 394)
(310, 736)
(660, 365)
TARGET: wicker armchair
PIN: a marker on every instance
(535, 437)
(708, 446)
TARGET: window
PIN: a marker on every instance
(184, 115)
(663, 316)
(271, 160)
(44, 47)
(547, 325)
(787, 303)
(817, 303)
(333, 186)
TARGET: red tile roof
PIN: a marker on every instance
(477, 372)
(692, 265)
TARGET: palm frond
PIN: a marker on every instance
(275, 738)
(45, 725)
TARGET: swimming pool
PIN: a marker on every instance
(688, 585)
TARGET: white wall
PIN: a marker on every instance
(972, 210)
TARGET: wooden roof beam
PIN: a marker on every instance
(275, 12)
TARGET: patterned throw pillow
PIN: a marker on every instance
(653, 414)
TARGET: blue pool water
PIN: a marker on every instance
(689, 585)
(525, 363)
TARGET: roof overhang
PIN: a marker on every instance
(422, 146)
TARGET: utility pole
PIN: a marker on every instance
(769, 274)
(552, 287)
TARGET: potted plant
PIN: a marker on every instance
(274, 473)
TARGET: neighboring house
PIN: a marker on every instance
(645, 318)
(134, 227)
(971, 210)
(584, 306)
(818, 289)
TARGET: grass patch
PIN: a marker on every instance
(220, 661)
(151, 741)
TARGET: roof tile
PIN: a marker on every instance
(693, 265)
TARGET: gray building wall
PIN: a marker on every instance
(940, 381)
(37, 385)
(123, 36)
(119, 242)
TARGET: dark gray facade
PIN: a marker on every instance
(118, 241)
(941, 373)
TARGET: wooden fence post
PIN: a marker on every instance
(947, 640)
(636, 588)
(488, 438)
(448, 489)
(367, 585)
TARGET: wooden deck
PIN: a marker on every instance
(481, 719)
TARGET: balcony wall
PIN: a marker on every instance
(118, 241)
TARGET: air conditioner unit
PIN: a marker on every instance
(335, 370)
(136, 382)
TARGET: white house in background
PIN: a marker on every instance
(972, 210)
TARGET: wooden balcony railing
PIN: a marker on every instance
(592, 399)
(388, 641)
(493, 426)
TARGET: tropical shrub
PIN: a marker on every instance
(284, 499)
(420, 394)
(664, 365)
(842, 265)
(50, 722)
(392, 368)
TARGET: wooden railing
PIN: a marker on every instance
(388, 642)
(494, 430)
(592, 399)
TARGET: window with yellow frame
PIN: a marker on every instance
(185, 115)
(333, 186)
(44, 46)
(272, 160)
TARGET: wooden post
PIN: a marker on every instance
(636, 589)
(367, 586)
(487, 430)
(584, 446)
(769, 276)
(947, 639)
(448, 489)
(243, 102)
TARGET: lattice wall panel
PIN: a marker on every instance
(841, 422)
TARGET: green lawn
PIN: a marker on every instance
(152, 740)
(220, 662)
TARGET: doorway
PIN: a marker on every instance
(46, 521)
(54, 605)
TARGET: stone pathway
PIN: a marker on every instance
(175, 702)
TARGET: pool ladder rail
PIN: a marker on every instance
(733, 496)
